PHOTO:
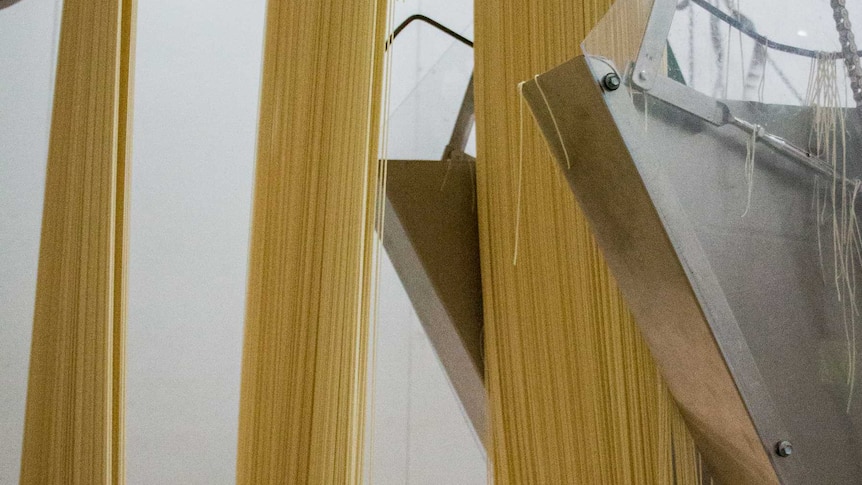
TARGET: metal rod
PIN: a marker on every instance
(735, 23)
(804, 157)
(430, 22)
(463, 124)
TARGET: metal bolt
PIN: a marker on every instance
(642, 76)
(611, 81)
(784, 448)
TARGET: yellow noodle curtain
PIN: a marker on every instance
(73, 430)
(574, 394)
(304, 361)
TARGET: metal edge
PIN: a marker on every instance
(431, 298)
(652, 49)
(688, 259)
(711, 298)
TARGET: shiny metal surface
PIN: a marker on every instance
(757, 280)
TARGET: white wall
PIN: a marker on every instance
(28, 39)
(420, 434)
(196, 100)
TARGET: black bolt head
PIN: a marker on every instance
(784, 448)
(611, 81)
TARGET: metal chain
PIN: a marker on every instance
(848, 46)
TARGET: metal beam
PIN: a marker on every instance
(463, 125)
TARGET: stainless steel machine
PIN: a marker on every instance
(717, 158)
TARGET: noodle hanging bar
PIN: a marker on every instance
(730, 224)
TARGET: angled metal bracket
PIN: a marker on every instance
(648, 64)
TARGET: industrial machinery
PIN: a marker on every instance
(715, 150)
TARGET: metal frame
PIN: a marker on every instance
(463, 126)
(648, 64)
(655, 253)
(643, 258)
(431, 236)
(437, 25)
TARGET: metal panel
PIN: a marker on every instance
(431, 235)
(665, 193)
